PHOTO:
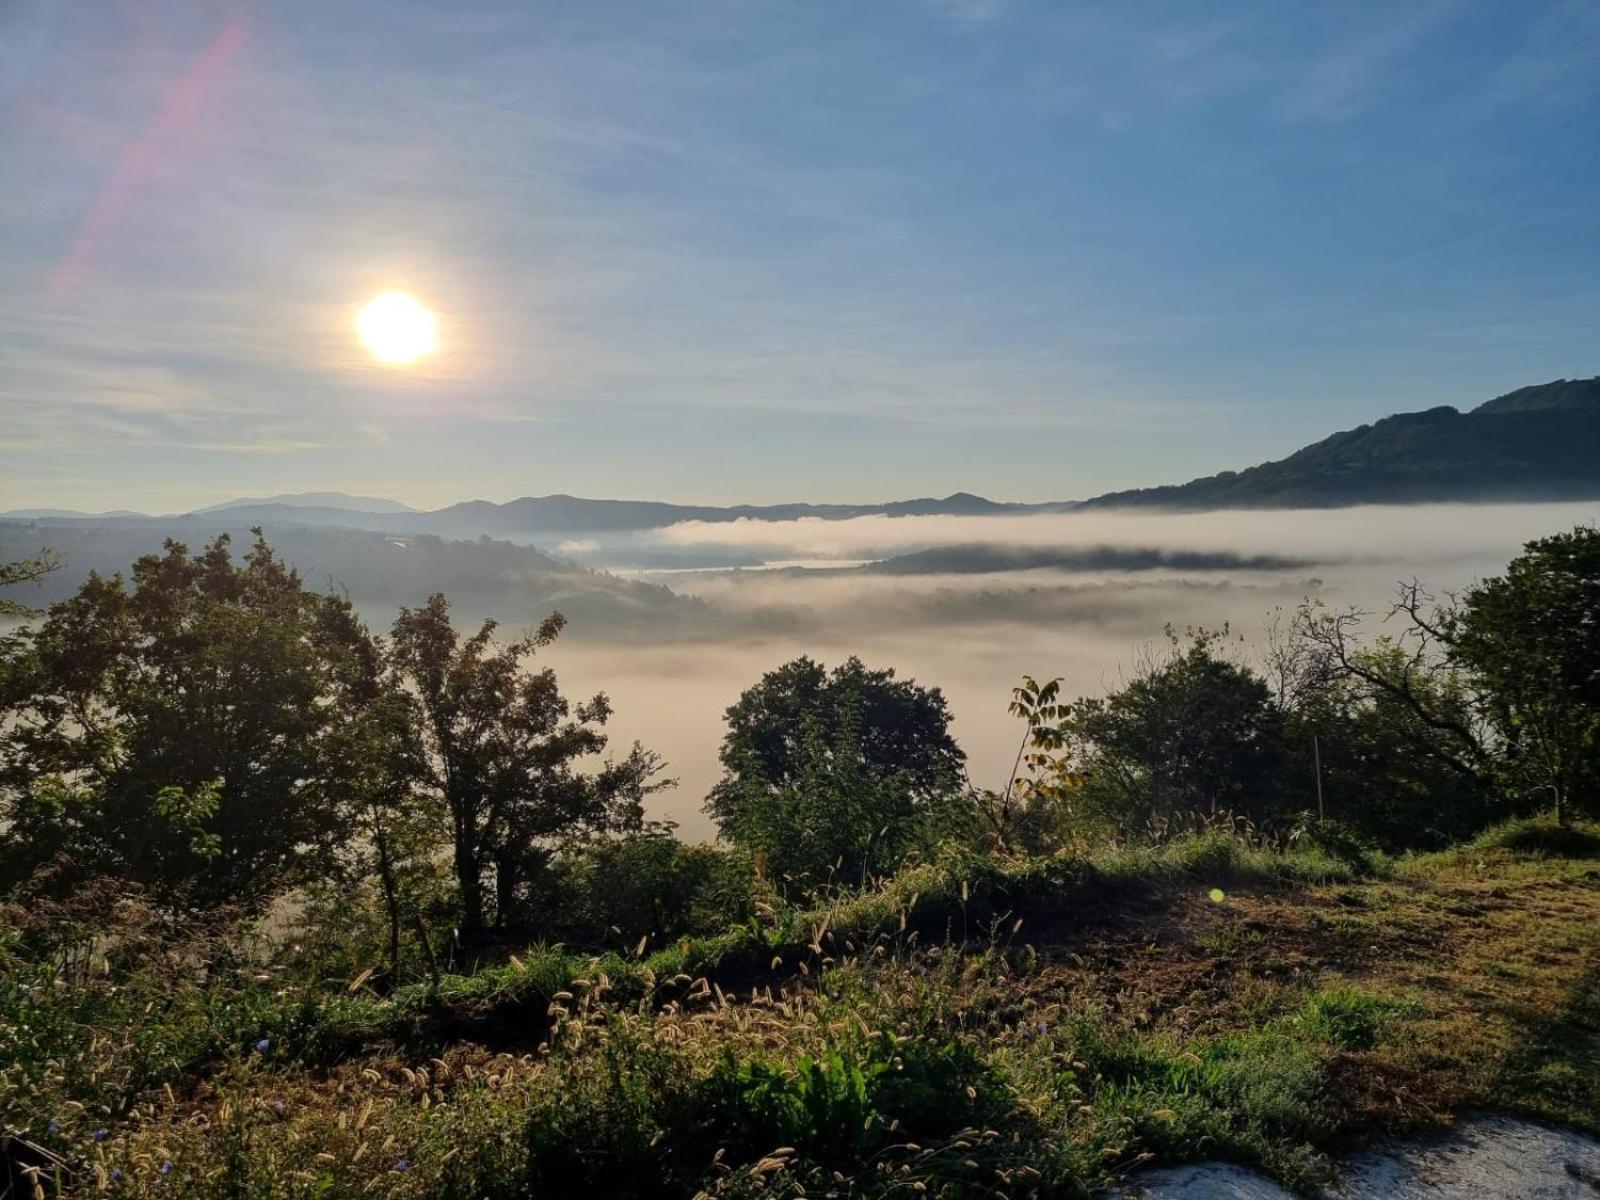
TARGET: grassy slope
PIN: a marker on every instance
(1136, 1014)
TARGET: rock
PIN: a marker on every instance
(1485, 1158)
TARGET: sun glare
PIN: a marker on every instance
(397, 328)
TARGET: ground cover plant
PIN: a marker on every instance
(1196, 1000)
(468, 966)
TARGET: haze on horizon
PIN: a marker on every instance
(740, 252)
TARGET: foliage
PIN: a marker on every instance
(498, 746)
(1191, 733)
(999, 999)
(641, 890)
(180, 732)
(943, 1065)
(20, 572)
(1531, 640)
(1384, 757)
(1036, 811)
(835, 776)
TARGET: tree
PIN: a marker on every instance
(1191, 734)
(834, 769)
(27, 570)
(642, 890)
(1385, 759)
(395, 828)
(178, 732)
(1531, 639)
(499, 746)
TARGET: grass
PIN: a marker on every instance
(968, 1029)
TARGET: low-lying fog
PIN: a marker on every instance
(973, 627)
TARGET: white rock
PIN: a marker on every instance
(1485, 1158)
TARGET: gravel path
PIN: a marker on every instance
(1485, 1158)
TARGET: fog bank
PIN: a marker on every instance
(976, 634)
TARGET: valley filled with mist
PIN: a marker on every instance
(975, 633)
(673, 623)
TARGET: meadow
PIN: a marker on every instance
(1038, 1028)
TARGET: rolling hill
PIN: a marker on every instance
(379, 572)
(1536, 443)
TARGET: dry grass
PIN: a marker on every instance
(1159, 1022)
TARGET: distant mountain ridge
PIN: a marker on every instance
(557, 514)
(1536, 443)
(551, 515)
(333, 500)
(379, 572)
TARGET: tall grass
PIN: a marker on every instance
(902, 1040)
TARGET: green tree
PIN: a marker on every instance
(1531, 639)
(641, 890)
(500, 747)
(27, 570)
(177, 731)
(1385, 758)
(1191, 734)
(396, 827)
(834, 772)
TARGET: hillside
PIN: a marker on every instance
(516, 584)
(1536, 443)
(1026, 1030)
(562, 514)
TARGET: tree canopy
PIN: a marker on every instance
(499, 746)
(177, 727)
(833, 769)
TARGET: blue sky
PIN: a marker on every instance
(731, 251)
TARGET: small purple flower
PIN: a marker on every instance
(116, 1174)
(166, 1168)
(402, 1165)
(1041, 1027)
(263, 1045)
(99, 1135)
(277, 1106)
(53, 1127)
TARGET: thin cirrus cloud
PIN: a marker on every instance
(1077, 236)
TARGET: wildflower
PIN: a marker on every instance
(53, 1127)
(1041, 1027)
(99, 1135)
(277, 1107)
(116, 1174)
(402, 1164)
(166, 1168)
(263, 1045)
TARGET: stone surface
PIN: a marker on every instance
(1485, 1158)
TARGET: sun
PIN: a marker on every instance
(397, 328)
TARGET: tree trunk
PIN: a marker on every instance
(469, 879)
(391, 898)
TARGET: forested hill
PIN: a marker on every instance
(1536, 443)
(379, 572)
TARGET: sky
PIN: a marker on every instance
(733, 251)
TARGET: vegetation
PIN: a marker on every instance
(835, 773)
(1253, 903)
(1536, 443)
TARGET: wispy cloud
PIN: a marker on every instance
(1349, 77)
